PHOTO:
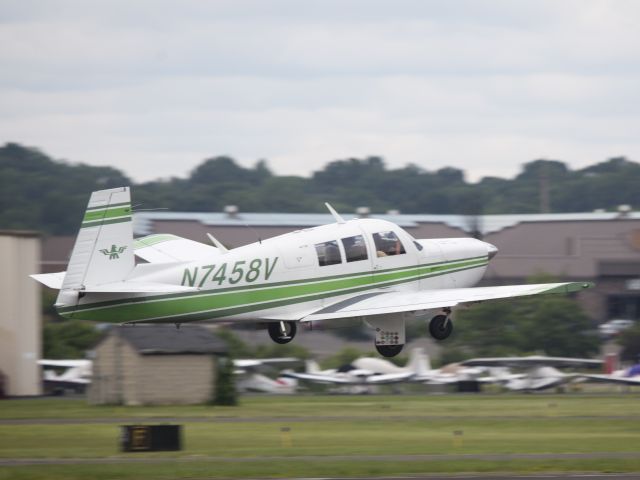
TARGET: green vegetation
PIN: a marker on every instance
(553, 325)
(331, 436)
(225, 388)
(53, 194)
(630, 341)
(68, 339)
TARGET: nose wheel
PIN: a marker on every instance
(441, 326)
(389, 350)
(282, 332)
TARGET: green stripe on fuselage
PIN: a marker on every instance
(211, 304)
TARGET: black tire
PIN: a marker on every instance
(277, 336)
(440, 328)
(389, 350)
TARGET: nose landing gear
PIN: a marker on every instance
(441, 326)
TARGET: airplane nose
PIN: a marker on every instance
(492, 250)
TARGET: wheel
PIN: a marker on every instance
(440, 328)
(389, 350)
(276, 334)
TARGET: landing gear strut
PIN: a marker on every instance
(441, 326)
(282, 332)
(389, 350)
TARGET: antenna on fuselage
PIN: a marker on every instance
(217, 244)
(335, 214)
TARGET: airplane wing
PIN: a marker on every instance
(389, 378)
(531, 361)
(257, 362)
(612, 379)
(394, 302)
(320, 378)
(64, 363)
(163, 248)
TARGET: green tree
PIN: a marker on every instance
(630, 341)
(553, 324)
(225, 389)
(68, 339)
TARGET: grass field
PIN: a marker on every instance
(330, 436)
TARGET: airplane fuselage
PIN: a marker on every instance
(282, 278)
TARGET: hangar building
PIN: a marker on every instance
(146, 364)
(20, 313)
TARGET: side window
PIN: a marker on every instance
(387, 244)
(328, 253)
(418, 246)
(355, 248)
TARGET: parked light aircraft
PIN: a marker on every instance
(366, 268)
(540, 372)
(75, 374)
(250, 379)
(365, 372)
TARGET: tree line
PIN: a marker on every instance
(40, 193)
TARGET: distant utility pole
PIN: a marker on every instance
(544, 189)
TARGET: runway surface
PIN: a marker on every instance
(363, 458)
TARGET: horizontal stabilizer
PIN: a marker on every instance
(138, 287)
(51, 280)
(164, 248)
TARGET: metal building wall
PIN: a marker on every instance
(20, 312)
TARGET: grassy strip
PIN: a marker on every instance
(347, 468)
(342, 406)
(345, 437)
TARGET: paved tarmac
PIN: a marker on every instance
(364, 458)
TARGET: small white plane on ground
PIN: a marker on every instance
(250, 378)
(539, 372)
(364, 371)
(366, 268)
(419, 365)
(61, 375)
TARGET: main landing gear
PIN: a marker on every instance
(282, 332)
(441, 326)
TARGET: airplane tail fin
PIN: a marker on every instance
(312, 366)
(419, 362)
(103, 251)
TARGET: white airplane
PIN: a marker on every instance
(66, 374)
(540, 372)
(366, 268)
(419, 365)
(347, 375)
(251, 380)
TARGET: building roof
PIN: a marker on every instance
(169, 340)
(143, 221)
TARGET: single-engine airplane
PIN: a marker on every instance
(366, 268)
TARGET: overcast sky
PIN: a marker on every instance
(154, 87)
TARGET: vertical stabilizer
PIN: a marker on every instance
(103, 252)
(419, 362)
(312, 366)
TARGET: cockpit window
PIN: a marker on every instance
(387, 244)
(418, 246)
(355, 248)
(328, 253)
